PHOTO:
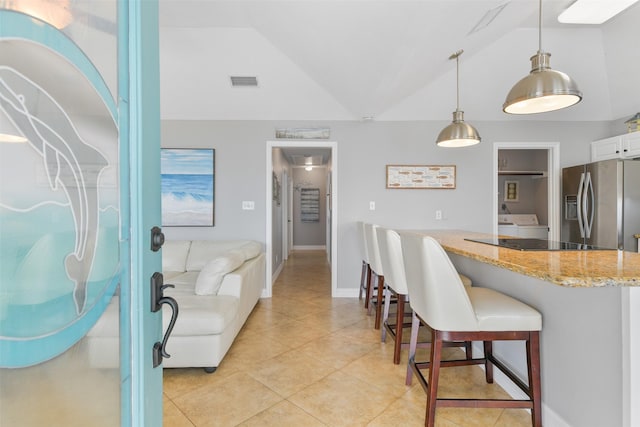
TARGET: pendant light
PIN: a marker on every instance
(458, 133)
(543, 89)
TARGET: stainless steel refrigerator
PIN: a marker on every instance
(601, 204)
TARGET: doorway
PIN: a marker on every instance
(279, 231)
(538, 175)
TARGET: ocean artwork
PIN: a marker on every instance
(188, 177)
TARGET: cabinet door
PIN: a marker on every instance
(606, 149)
(631, 145)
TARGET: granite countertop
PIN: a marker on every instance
(566, 268)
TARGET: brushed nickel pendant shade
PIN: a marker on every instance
(543, 89)
(458, 133)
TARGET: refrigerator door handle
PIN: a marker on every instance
(589, 203)
(580, 205)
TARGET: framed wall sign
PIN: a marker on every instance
(421, 176)
(188, 182)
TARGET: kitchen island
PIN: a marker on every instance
(590, 339)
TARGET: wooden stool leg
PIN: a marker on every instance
(467, 350)
(533, 362)
(488, 366)
(379, 302)
(385, 314)
(413, 343)
(370, 286)
(399, 324)
(434, 373)
(363, 279)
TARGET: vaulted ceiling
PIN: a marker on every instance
(344, 60)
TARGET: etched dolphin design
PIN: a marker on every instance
(71, 165)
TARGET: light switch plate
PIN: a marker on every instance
(248, 205)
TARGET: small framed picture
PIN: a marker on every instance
(511, 191)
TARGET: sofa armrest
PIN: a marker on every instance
(231, 285)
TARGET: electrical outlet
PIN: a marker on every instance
(438, 214)
(372, 206)
(248, 205)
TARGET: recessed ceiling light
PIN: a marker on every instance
(593, 11)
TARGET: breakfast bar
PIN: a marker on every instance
(590, 339)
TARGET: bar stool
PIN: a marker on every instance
(456, 313)
(376, 275)
(366, 270)
(393, 266)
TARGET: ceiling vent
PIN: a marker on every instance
(244, 81)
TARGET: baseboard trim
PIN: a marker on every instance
(345, 293)
(309, 247)
(276, 273)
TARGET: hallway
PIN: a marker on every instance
(305, 359)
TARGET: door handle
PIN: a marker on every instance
(589, 203)
(580, 205)
(157, 300)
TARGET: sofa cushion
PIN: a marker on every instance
(174, 255)
(210, 277)
(203, 251)
(201, 315)
(251, 249)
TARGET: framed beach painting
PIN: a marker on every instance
(188, 183)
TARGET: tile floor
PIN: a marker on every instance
(305, 359)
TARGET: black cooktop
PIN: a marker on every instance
(536, 244)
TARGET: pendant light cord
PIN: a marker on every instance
(455, 56)
(457, 83)
(540, 27)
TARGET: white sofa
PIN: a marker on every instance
(217, 284)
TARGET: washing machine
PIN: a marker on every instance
(522, 225)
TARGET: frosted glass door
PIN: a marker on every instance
(63, 226)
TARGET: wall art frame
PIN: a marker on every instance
(188, 187)
(511, 191)
(442, 177)
(276, 189)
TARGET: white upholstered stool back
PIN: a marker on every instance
(390, 250)
(373, 250)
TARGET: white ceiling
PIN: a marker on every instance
(344, 60)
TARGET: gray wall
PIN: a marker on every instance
(364, 148)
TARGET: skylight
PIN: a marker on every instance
(593, 11)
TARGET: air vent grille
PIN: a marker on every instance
(244, 81)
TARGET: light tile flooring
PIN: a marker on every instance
(305, 359)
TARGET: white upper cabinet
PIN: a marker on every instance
(617, 147)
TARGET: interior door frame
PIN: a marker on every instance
(285, 217)
(333, 145)
(553, 181)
